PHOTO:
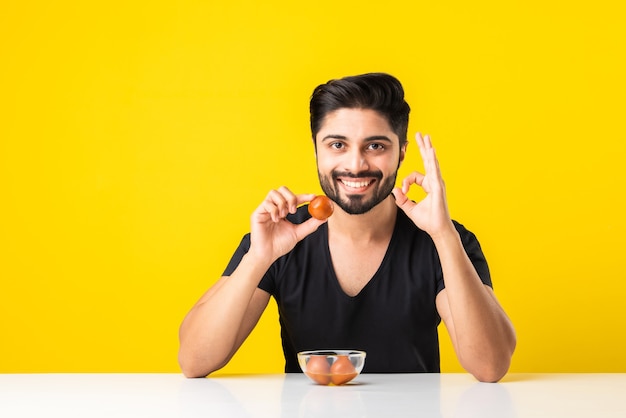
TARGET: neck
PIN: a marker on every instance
(377, 224)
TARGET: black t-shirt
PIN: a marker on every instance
(394, 317)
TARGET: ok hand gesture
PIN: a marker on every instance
(431, 213)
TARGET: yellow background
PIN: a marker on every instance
(137, 137)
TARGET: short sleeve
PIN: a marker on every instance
(266, 282)
(241, 250)
(475, 254)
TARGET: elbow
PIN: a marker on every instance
(191, 369)
(191, 372)
(491, 373)
(195, 367)
(491, 368)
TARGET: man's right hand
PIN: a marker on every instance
(271, 234)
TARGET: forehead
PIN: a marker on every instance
(355, 124)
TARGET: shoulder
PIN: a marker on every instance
(461, 228)
(406, 225)
(467, 236)
(474, 252)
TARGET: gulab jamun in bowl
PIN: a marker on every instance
(331, 367)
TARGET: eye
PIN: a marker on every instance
(375, 146)
(337, 145)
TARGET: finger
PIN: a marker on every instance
(425, 145)
(427, 142)
(420, 145)
(420, 140)
(433, 161)
(413, 178)
(305, 198)
(291, 200)
(399, 195)
(276, 203)
(431, 165)
(266, 209)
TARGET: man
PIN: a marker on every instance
(379, 275)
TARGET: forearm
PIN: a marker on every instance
(210, 333)
(482, 334)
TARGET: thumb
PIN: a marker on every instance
(308, 227)
(402, 201)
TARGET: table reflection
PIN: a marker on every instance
(313, 400)
(485, 400)
(296, 396)
(231, 396)
(292, 395)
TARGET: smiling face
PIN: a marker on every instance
(358, 156)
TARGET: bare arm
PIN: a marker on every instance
(482, 335)
(222, 319)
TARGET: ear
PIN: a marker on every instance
(403, 152)
(315, 149)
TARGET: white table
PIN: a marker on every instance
(293, 395)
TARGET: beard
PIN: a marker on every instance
(358, 204)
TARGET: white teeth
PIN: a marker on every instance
(356, 184)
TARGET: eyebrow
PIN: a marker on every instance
(368, 139)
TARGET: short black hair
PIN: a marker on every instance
(376, 91)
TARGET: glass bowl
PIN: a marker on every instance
(331, 367)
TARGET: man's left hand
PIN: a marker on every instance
(431, 213)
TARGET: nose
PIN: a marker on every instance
(356, 161)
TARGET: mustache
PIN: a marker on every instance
(378, 175)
